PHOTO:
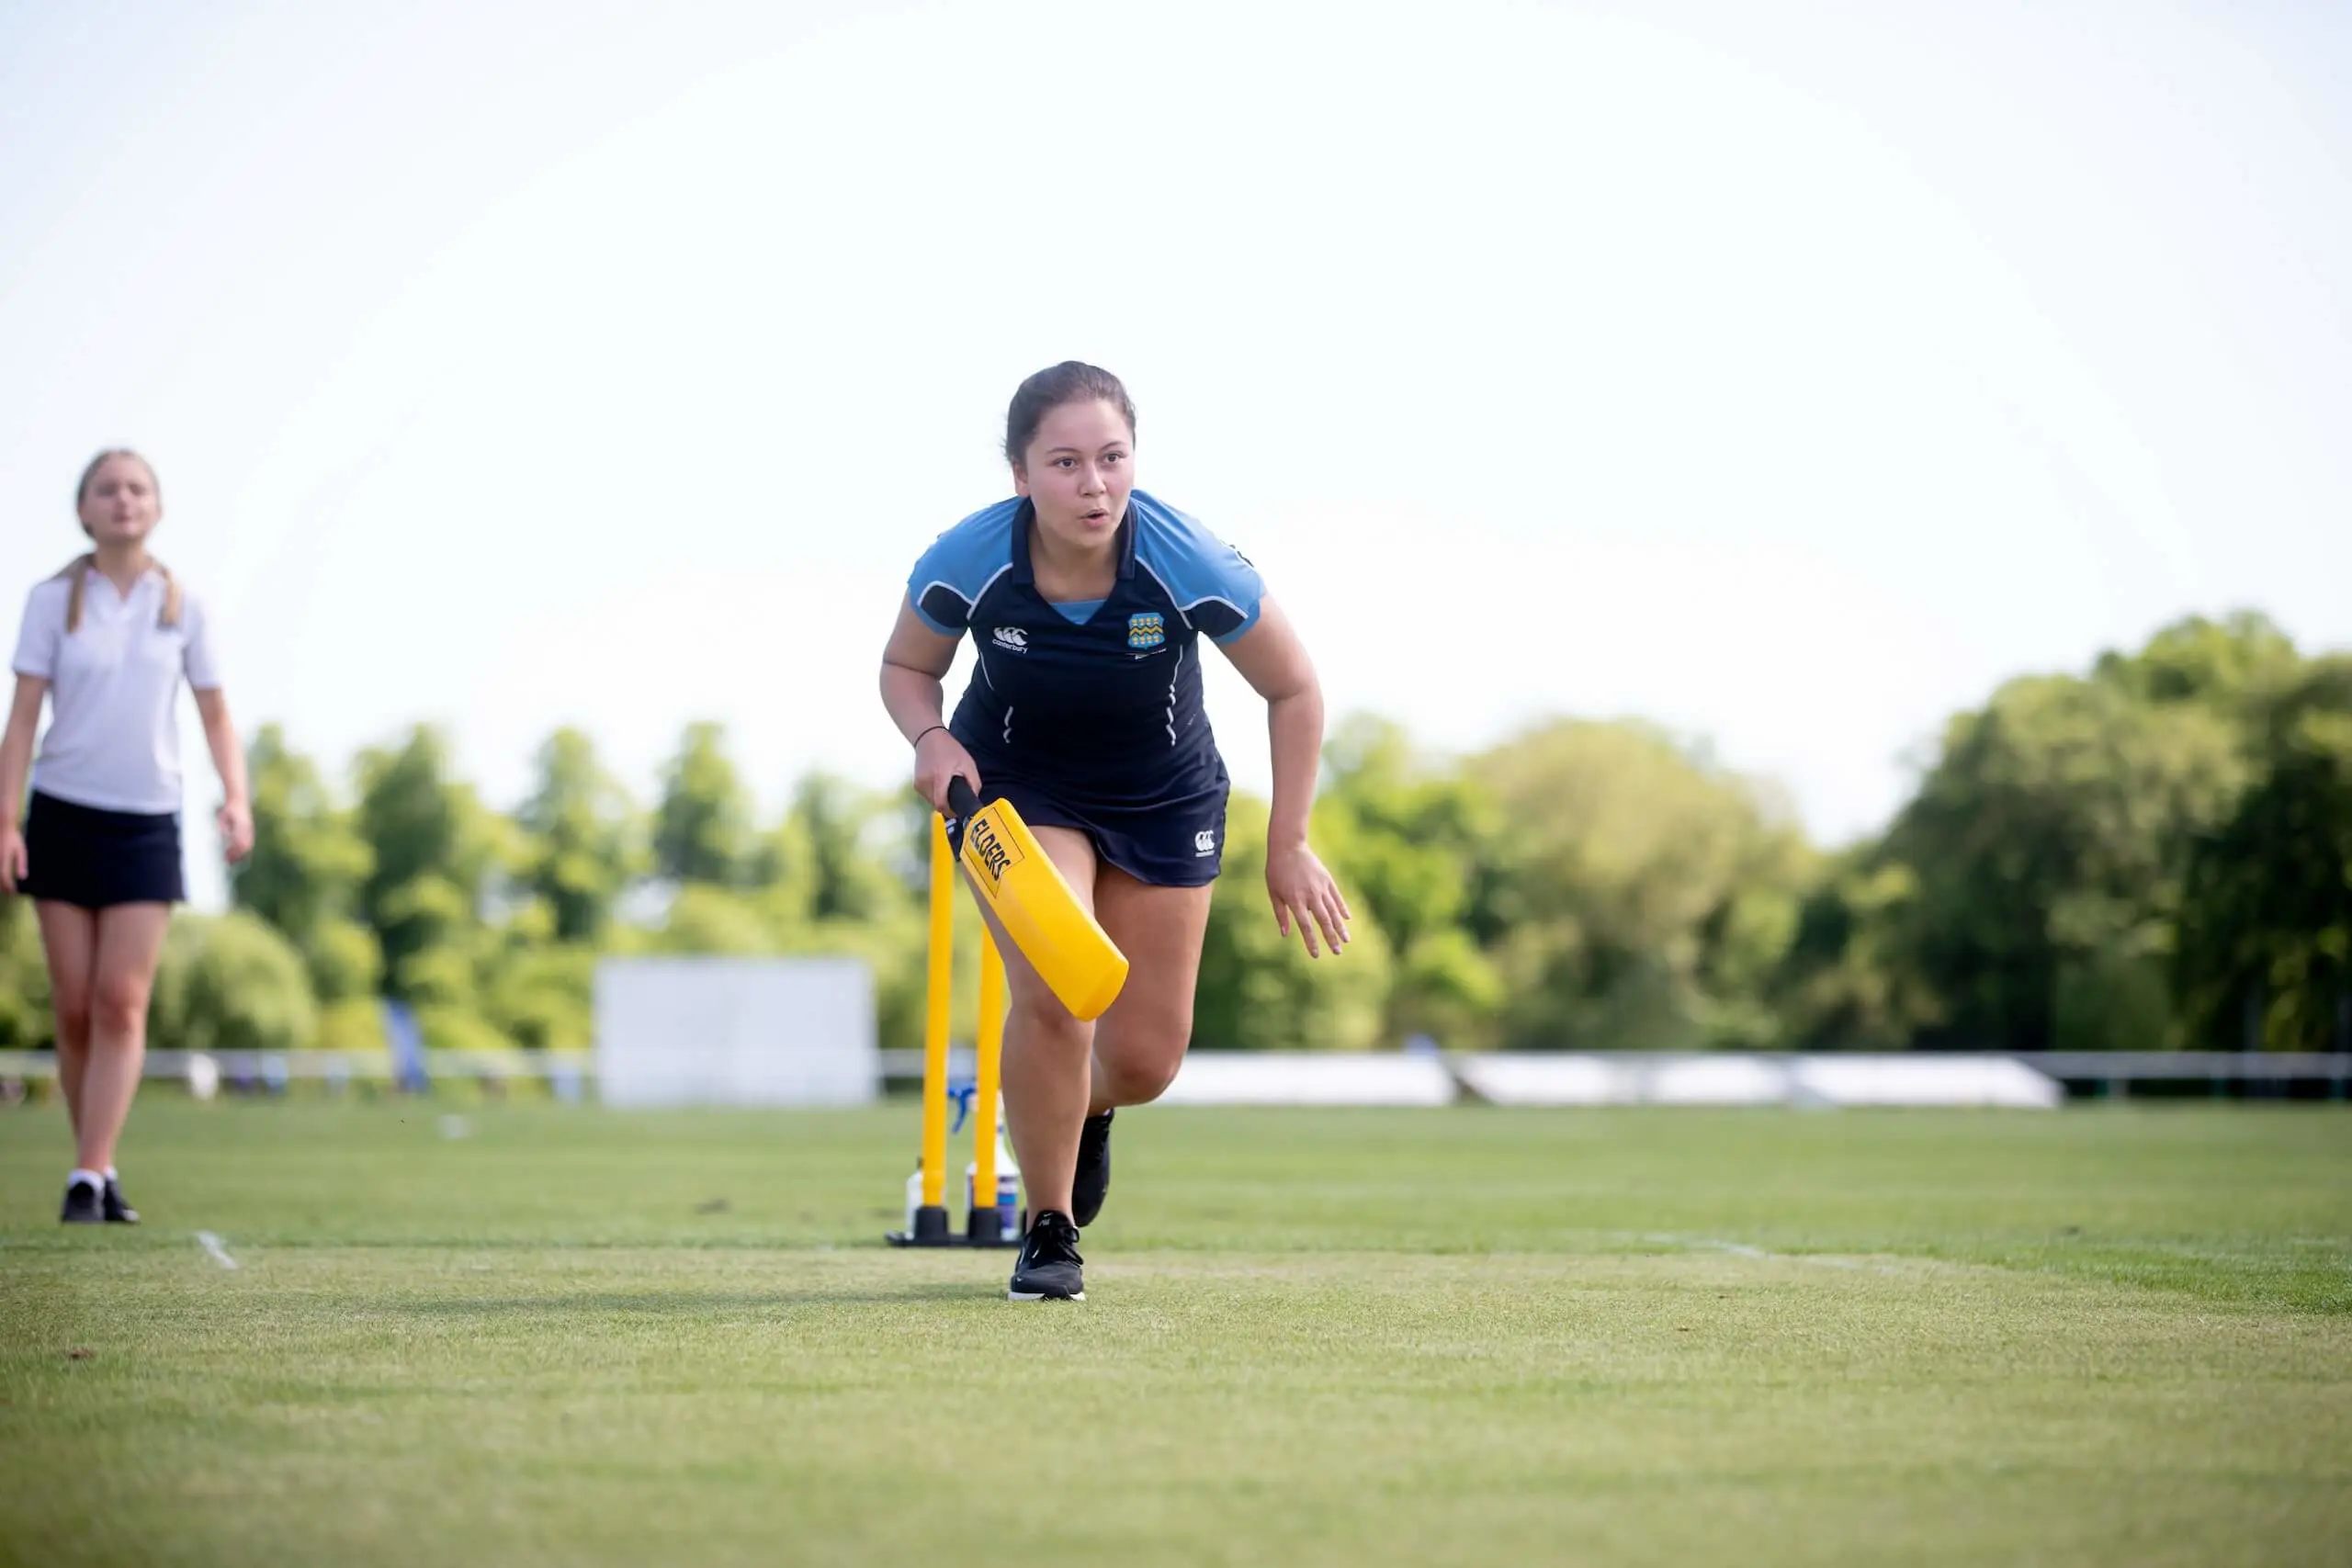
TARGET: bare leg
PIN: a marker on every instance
(130, 940)
(1140, 1042)
(69, 942)
(1047, 1052)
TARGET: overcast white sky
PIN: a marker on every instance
(1788, 374)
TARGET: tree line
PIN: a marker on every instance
(2153, 853)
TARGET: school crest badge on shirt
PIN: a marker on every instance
(1144, 629)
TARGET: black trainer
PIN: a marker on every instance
(1092, 1182)
(119, 1211)
(83, 1206)
(1048, 1267)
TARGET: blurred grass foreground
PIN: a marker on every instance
(526, 1334)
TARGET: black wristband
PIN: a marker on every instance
(919, 734)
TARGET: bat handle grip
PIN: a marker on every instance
(961, 801)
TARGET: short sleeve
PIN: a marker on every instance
(197, 655)
(950, 575)
(36, 638)
(933, 591)
(1213, 584)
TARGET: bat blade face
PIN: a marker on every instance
(1025, 891)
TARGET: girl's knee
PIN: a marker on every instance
(74, 1019)
(118, 1007)
(1048, 1024)
(1141, 1069)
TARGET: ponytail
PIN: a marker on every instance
(78, 575)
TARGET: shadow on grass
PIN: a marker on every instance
(690, 1301)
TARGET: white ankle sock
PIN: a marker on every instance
(90, 1178)
(111, 1175)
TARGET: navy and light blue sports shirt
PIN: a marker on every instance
(1095, 707)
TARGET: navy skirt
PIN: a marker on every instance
(1176, 840)
(81, 855)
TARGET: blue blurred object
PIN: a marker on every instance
(407, 1043)
(961, 1092)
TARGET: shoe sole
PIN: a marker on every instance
(1042, 1296)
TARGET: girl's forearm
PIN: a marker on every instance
(16, 759)
(1294, 728)
(228, 756)
(912, 699)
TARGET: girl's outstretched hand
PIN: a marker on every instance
(1304, 894)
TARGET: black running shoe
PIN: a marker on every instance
(1092, 1182)
(84, 1205)
(119, 1211)
(1049, 1264)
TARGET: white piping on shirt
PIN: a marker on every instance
(971, 604)
(990, 583)
(1173, 671)
(1184, 611)
(1165, 588)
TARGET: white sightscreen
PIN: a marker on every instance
(735, 1032)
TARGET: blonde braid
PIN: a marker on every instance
(78, 573)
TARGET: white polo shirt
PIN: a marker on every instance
(113, 740)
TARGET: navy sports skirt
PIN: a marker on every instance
(1176, 840)
(81, 855)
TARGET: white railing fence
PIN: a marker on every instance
(1227, 1077)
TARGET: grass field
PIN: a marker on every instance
(559, 1336)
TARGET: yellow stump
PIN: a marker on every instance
(984, 1223)
(934, 1033)
(984, 1073)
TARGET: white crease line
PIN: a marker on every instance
(211, 1245)
(1740, 1249)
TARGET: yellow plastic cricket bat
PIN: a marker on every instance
(1024, 890)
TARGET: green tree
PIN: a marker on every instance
(308, 862)
(2234, 664)
(1408, 834)
(1646, 897)
(307, 870)
(1848, 981)
(435, 847)
(346, 962)
(837, 877)
(2048, 842)
(26, 1021)
(231, 983)
(1259, 991)
(702, 828)
(2265, 954)
(708, 919)
(543, 995)
(835, 855)
(1420, 841)
(581, 846)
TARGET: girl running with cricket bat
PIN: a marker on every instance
(1086, 599)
